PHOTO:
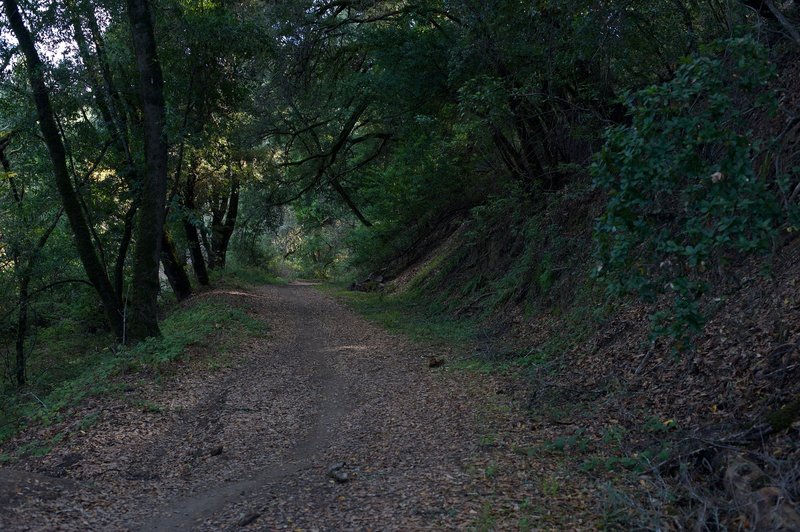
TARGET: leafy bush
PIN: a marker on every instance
(684, 194)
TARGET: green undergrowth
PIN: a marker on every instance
(410, 316)
(83, 368)
(612, 450)
(206, 325)
(510, 258)
(574, 325)
(243, 276)
(430, 322)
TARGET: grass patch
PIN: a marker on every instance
(242, 276)
(210, 326)
(427, 321)
(636, 462)
(407, 315)
(207, 324)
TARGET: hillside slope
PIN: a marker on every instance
(672, 423)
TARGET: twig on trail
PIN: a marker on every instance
(781, 370)
(645, 358)
(37, 398)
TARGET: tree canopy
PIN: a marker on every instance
(338, 134)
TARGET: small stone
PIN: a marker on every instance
(248, 519)
(216, 451)
(337, 473)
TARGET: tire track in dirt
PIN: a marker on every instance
(310, 347)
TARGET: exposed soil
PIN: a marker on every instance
(327, 423)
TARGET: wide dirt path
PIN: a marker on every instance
(257, 444)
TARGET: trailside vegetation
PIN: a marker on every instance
(499, 161)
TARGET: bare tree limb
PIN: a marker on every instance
(783, 21)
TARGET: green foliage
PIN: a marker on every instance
(408, 315)
(244, 275)
(205, 321)
(252, 244)
(788, 414)
(615, 464)
(577, 442)
(684, 195)
(208, 327)
(418, 191)
(66, 329)
(309, 243)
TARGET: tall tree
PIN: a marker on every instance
(55, 147)
(144, 308)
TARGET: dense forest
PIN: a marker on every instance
(602, 197)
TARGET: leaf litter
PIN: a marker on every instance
(251, 444)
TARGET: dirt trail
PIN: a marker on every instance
(307, 348)
(253, 445)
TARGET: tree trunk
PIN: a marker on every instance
(22, 329)
(217, 219)
(207, 248)
(144, 304)
(195, 247)
(55, 147)
(221, 231)
(122, 253)
(176, 274)
(196, 250)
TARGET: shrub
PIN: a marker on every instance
(684, 195)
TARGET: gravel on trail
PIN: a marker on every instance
(328, 422)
